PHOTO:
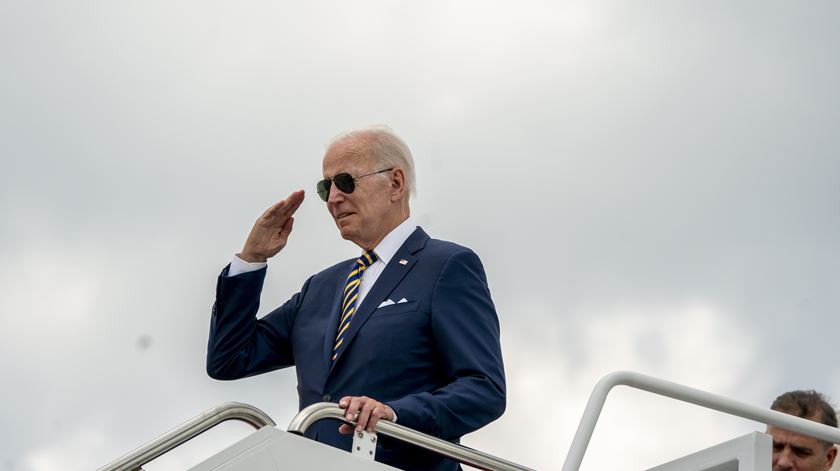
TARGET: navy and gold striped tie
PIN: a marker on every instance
(351, 294)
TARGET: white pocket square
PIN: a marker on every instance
(387, 302)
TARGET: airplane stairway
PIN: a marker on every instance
(271, 449)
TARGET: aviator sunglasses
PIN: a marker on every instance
(343, 181)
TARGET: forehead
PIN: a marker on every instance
(347, 157)
(785, 437)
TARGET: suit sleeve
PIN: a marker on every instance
(465, 329)
(241, 345)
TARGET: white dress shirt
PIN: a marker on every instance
(385, 251)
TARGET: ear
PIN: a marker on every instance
(831, 454)
(397, 184)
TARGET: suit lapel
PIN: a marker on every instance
(394, 273)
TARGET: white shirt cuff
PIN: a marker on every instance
(239, 266)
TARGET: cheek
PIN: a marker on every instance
(363, 210)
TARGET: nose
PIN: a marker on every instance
(784, 462)
(335, 195)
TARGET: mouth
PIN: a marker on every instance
(341, 216)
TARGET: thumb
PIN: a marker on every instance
(287, 227)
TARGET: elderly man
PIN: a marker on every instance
(406, 332)
(795, 452)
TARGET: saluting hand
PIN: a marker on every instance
(271, 231)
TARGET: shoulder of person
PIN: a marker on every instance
(447, 249)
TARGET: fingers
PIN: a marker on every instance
(283, 209)
(364, 416)
(295, 199)
(287, 228)
(365, 411)
(271, 231)
(378, 413)
(352, 404)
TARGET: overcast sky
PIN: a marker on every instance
(651, 186)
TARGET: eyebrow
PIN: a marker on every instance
(795, 448)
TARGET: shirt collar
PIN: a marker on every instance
(394, 240)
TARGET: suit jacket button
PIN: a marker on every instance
(327, 398)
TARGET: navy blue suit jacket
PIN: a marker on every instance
(435, 359)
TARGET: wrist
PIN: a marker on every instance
(251, 258)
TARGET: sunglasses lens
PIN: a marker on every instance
(323, 188)
(344, 182)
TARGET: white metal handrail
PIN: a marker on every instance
(133, 460)
(685, 394)
(327, 410)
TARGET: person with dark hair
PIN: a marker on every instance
(797, 452)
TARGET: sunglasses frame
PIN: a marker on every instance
(348, 181)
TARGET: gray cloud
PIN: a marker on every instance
(650, 186)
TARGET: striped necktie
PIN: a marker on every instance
(351, 294)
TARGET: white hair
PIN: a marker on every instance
(386, 148)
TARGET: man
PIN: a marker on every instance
(407, 332)
(795, 452)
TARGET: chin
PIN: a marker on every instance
(351, 236)
(346, 232)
